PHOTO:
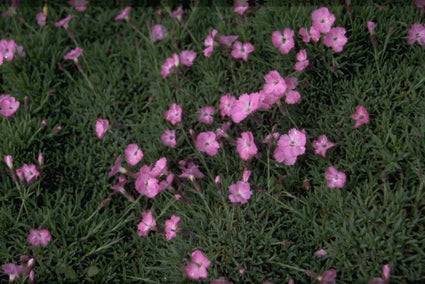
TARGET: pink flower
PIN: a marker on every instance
(123, 15)
(102, 125)
(275, 85)
(158, 33)
(226, 104)
(170, 65)
(240, 6)
(335, 39)
(8, 105)
(147, 224)
(314, 34)
(242, 50)
(41, 19)
(227, 40)
(146, 184)
(64, 22)
(206, 115)
(328, 277)
(169, 138)
(240, 192)
(271, 137)
(283, 42)
(320, 253)
(321, 145)
(386, 270)
(302, 61)
(221, 132)
(117, 168)
(30, 173)
(133, 154)
(191, 171)
(177, 14)
(171, 227)
(197, 269)
(206, 142)
(73, 54)
(245, 105)
(187, 57)
(335, 178)
(290, 146)
(13, 270)
(8, 159)
(160, 167)
(7, 50)
(79, 5)
(174, 114)
(322, 20)
(245, 146)
(361, 116)
(416, 34)
(371, 26)
(39, 237)
(209, 43)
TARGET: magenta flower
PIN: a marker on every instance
(41, 19)
(206, 115)
(8, 105)
(170, 64)
(242, 50)
(322, 20)
(187, 57)
(174, 114)
(226, 104)
(328, 277)
(335, 39)
(371, 26)
(39, 237)
(30, 173)
(102, 125)
(197, 268)
(302, 62)
(416, 34)
(133, 154)
(240, 192)
(73, 54)
(245, 146)
(321, 145)
(147, 224)
(79, 5)
(275, 85)
(146, 184)
(177, 14)
(361, 116)
(123, 15)
(171, 227)
(8, 159)
(13, 270)
(240, 6)
(7, 50)
(227, 41)
(335, 178)
(158, 33)
(283, 42)
(245, 105)
(209, 43)
(169, 138)
(290, 146)
(64, 22)
(206, 142)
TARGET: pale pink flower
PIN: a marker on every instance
(209, 43)
(102, 125)
(177, 14)
(283, 42)
(320, 253)
(226, 104)
(147, 224)
(240, 192)
(64, 22)
(416, 34)
(39, 237)
(169, 138)
(160, 167)
(227, 41)
(335, 178)
(133, 154)
(302, 62)
(187, 57)
(245, 105)
(322, 20)
(8, 105)
(335, 39)
(146, 184)
(171, 227)
(123, 15)
(328, 277)
(8, 159)
(41, 19)
(245, 146)
(7, 50)
(321, 145)
(13, 270)
(242, 50)
(290, 146)
(158, 33)
(73, 54)
(313, 34)
(361, 116)
(206, 115)
(197, 268)
(170, 65)
(275, 85)
(174, 114)
(206, 142)
(371, 26)
(240, 6)
(79, 5)
(30, 173)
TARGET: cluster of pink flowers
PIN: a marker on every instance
(186, 57)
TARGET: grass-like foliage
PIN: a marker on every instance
(362, 201)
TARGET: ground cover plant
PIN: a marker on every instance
(221, 143)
